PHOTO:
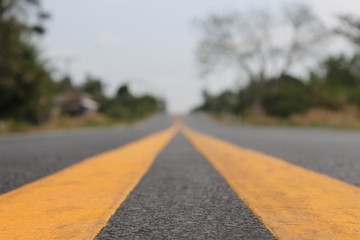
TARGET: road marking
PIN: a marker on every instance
(77, 202)
(291, 201)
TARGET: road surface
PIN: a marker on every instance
(25, 158)
(179, 184)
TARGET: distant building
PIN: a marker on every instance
(74, 103)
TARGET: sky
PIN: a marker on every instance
(149, 44)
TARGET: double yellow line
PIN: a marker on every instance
(291, 201)
(75, 203)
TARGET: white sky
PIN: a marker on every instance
(148, 43)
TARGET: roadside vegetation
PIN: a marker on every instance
(32, 98)
(265, 50)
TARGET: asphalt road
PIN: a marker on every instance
(332, 152)
(25, 158)
(181, 196)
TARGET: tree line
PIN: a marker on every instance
(27, 85)
(264, 48)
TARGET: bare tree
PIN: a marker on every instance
(259, 44)
(350, 28)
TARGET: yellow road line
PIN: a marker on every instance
(291, 201)
(76, 202)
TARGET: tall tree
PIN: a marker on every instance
(24, 78)
(93, 86)
(350, 28)
(260, 44)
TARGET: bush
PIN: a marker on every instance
(285, 102)
(355, 97)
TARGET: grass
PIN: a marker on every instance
(346, 118)
(61, 122)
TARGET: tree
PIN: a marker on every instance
(350, 28)
(293, 96)
(94, 87)
(336, 82)
(145, 105)
(259, 45)
(25, 82)
(65, 85)
(22, 17)
(342, 71)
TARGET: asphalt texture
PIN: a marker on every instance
(183, 197)
(25, 158)
(335, 153)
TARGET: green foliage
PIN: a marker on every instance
(94, 87)
(285, 102)
(334, 84)
(292, 96)
(25, 83)
(224, 103)
(65, 85)
(341, 71)
(249, 96)
(355, 96)
(125, 106)
(146, 105)
(327, 96)
(26, 87)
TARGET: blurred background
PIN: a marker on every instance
(103, 62)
